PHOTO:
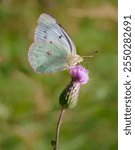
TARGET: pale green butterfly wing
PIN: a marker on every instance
(48, 29)
(46, 57)
(52, 50)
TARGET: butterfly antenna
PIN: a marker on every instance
(90, 55)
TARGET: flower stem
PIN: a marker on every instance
(58, 128)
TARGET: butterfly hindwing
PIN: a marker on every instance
(46, 57)
(48, 29)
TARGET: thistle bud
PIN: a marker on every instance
(69, 96)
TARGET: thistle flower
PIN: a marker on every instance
(69, 96)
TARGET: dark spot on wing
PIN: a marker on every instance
(49, 53)
(50, 42)
(60, 36)
(44, 37)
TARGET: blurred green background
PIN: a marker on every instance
(29, 101)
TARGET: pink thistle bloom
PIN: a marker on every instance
(79, 74)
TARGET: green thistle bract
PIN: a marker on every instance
(69, 96)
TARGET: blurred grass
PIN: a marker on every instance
(28, 109)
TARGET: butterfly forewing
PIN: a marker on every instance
(48, 29)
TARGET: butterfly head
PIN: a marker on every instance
(73, 60)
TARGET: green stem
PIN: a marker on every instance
(58, 128)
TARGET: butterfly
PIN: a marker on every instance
(52, 50)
